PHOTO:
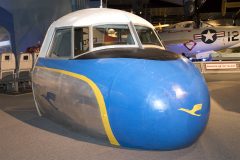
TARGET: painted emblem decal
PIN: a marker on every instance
(209, 36)
(50, 97)
(193, 111)
(190, 45)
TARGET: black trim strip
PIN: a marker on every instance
(136, 53)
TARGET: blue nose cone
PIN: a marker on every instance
(161, 105)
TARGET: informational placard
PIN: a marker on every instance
(221, 66)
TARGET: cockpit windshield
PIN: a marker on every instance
(112, 34)
(147, 36)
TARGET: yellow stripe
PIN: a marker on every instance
(100, 101)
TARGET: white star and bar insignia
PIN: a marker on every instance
(209, 36)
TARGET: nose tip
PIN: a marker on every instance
(158, 107)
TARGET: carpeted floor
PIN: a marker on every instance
(25, 136)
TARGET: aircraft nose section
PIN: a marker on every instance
(158, 105)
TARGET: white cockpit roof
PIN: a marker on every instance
(95, 16)
(100, 16)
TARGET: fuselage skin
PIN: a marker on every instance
(142, 97)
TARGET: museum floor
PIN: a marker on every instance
(25, 136)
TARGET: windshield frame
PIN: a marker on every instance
(132, 29)
(161, 45)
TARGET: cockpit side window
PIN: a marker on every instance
(112, 34)
(147, 36)
(61, 45)
(81, 40)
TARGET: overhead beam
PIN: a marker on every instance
(226, 5)
(233, 4)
